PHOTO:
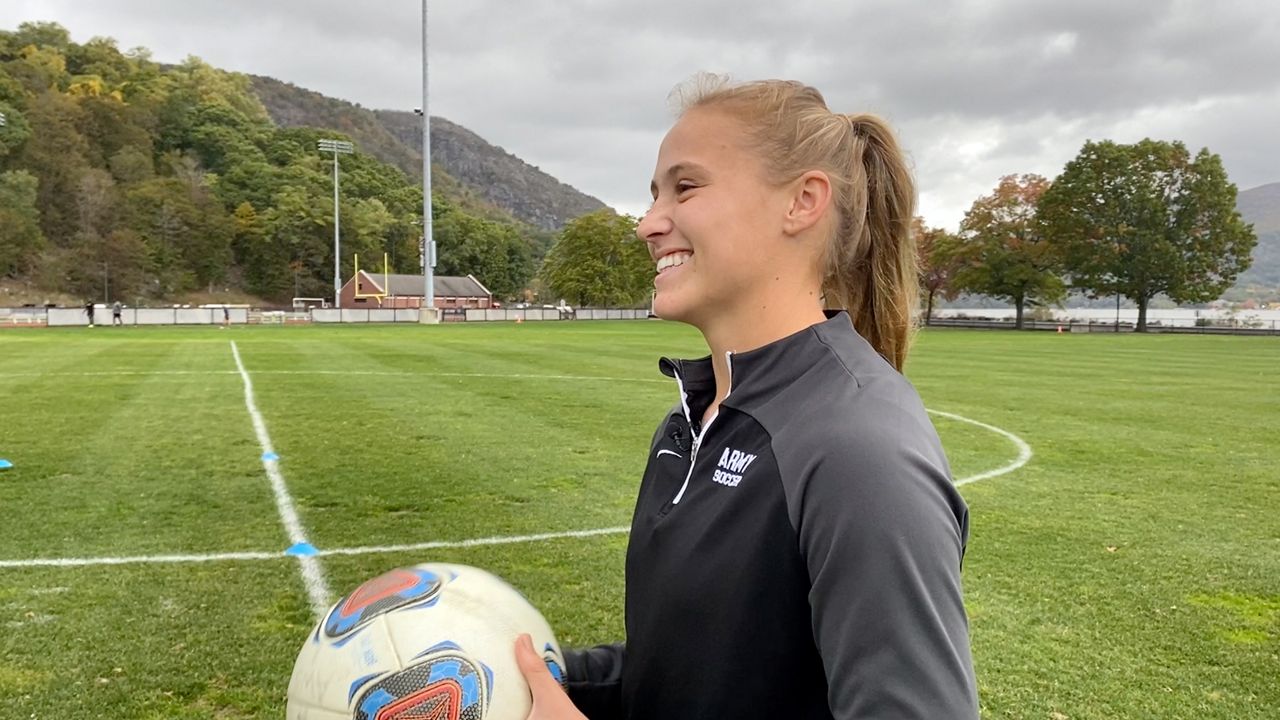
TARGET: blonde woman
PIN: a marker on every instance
(796, 545)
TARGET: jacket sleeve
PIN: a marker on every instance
(882, 532)
(595, 680)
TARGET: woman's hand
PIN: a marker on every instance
(549, 699)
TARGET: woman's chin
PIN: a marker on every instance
(667, 307)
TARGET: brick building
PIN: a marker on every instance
(405, 291)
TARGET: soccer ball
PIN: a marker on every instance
(428, 641)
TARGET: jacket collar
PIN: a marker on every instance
(756, 376)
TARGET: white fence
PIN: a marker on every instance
(363, 315)
(77, 317)
(531, 314)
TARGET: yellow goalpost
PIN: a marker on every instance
(385, 283)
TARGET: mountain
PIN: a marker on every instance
(1261, 207)
(463, 163)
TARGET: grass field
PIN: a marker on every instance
(1130, 570)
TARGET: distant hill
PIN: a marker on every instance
(463, 164)
(1261, 207)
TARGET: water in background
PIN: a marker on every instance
(1176, 317)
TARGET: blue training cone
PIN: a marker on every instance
(302, 549)
(270, 456)
(5, 464)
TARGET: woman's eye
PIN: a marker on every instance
(683, 187)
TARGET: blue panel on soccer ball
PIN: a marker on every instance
(446, 645)
(360, 683)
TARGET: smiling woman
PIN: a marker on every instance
(796, 544)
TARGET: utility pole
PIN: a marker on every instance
(428, 243)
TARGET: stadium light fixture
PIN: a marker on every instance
(3, 121)
(337, 147)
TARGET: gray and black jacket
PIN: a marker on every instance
(798, 557)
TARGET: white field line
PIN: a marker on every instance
(1024, 456)
(1024, 450)
(278, 555)
(383, 373)
(140, 559)
(312, 573)
(475, 542)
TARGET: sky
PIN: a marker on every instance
(977, 89)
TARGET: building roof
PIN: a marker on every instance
(445, 285)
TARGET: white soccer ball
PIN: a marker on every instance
(428, 641)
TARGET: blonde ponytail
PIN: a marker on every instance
(872, 267)
(870, 261)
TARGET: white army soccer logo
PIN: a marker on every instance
(733, 463)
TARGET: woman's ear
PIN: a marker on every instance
(810, 199)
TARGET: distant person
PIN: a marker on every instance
(226, 317)
(116, 310)
(796, 544)
(88, 310)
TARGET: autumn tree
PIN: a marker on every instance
(935, 248)
(1001, 251)
(1143, 219)
(597, 260)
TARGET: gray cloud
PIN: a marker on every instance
(977, 89)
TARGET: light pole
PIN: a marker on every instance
(337, 147)
(428, 244)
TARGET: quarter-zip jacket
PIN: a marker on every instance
(798, 557)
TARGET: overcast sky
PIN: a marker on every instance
(977, 89)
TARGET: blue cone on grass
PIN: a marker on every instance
(302, 549)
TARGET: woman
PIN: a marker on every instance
(796, 545)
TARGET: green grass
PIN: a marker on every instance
(1131, 570)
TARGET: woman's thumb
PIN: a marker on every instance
(533, 667)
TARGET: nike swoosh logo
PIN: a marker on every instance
(668, 452)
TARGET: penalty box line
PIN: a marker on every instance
(1024, 456)
(282, 555)
(309, 565)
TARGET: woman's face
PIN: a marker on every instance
(715, 228)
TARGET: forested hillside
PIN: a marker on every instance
(121, 178)
(478, 175)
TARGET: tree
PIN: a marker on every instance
(186, 232)
(265, 265)
(493, 252)
(15, 130)
(298, 232)
(598, 261)
(55, 153)
(1143, 219)
(938, 264)
(1001, 251)
(20, 236)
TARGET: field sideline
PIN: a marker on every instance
(1130, 569)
